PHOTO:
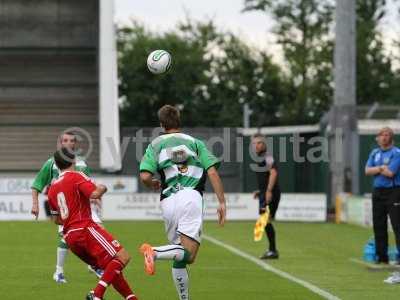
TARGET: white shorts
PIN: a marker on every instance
(183, 214)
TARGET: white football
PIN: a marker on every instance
(159, 61)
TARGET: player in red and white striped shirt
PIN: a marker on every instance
(69, 201)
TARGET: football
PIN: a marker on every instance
(159, 61)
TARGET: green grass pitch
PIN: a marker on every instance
(317, 253)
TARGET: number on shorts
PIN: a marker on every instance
(62, 204)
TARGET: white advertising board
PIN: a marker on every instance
(17, 207)
(302, 207)
(115, 184)
(355, 209)
(118, 184)
(15, 185)
(146, 206)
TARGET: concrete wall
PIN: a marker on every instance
(48, 23)
(48, 78)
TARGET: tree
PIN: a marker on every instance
(302, 28)
(143, 93)
(213, 74)
(374, 69)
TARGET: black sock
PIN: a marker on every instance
(270, 232)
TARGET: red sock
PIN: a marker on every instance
(122, 287)
(112, 270)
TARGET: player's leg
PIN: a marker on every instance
(189, 228)
(180, 273)
(113, 258)
(394, 213)
(122, 287)
(95, 209)
(183, 215)
(173, 251)
(379, 217)
(62, 251)
(270, 232)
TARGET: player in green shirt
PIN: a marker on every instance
(43, 179)
(183, 163)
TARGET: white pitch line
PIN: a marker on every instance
(364, 263)
(267, 267)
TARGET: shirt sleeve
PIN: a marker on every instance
(370, 162)
(394, 165)
(84, 168)
(149, 162)
(43, 177)
(87, 171)
(207, 159)
(86, 186)
(271, 163)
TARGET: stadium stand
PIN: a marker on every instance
(49, 78)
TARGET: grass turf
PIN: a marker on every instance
(317, 253)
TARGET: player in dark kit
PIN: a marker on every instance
(69, 201)
(269, 193)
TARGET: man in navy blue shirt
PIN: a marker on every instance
(384, 165)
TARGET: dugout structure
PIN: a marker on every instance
(58, 70)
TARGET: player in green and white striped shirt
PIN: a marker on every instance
(183, 163)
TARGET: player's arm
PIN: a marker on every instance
(148, 167)
(393, 167)
(256, 194)
(147, 179)
(210, 163)
(89, 189)
(370, 168)
(218, 188)
(98, 192)
(371, 171)
(42, 179)
(35, 203)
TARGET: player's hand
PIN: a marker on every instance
(256, 194)
(35, 210)
(221, 211)
(97, 202)
(268, 197)
(155, 184)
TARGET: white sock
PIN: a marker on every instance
(181, 279)
(61, 255)
(169, 252)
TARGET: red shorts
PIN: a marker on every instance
(93, 245)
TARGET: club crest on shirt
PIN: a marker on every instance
(386, 160)
(182, 168)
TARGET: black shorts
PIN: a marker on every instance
(273, 206)
(47, 208)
